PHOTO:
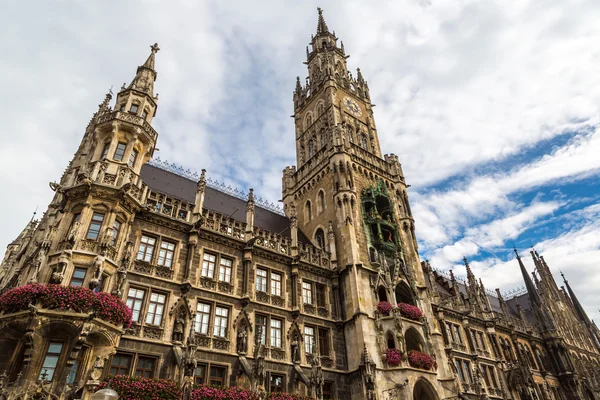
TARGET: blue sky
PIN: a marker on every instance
(491, 106)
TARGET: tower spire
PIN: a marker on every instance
(533, 294)
(146, 75)
(321, 24)
(576, 304)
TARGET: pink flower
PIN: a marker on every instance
(409, 311)
(384, 307)
(78, 299)
(416, 359)
(394, 356)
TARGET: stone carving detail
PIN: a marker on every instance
(153, 333)
(179, 326)
(163, 272)
(277, 301)
(262, 297)
(242, 339)
(203, 341)
(207, 283)
(277, 354)
(221, 344)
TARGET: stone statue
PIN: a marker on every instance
(63, 262)
(74, 232)
(107, 237)
(98, 268)
(242, 340)
(121, 277)
(295, 348)
(179, 327)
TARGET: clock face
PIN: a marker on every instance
(352, 106)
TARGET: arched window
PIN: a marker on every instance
(320, 109)
(311, 148)
(381, 293)
(414, 341)
(391, 343)
(321, 201)
(308, 121)
(403, 294)
(308, 211)
(320, 238)
(363, 141)
(350, 134)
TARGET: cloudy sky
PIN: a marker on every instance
(492, 107)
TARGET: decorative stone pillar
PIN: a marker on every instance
(199, 201)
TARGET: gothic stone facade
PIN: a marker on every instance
(270, 300)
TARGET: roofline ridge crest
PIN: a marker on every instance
(214, 184)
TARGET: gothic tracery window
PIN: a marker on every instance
(311, 148)
(320, 238)
(363, 141)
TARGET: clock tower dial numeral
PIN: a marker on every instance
(352, 106)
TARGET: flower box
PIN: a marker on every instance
(394, 357)
(132, 387)
(57, 297)
(416, 359)
(384, 307)
(409, 311)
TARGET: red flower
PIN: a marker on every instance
(384, 307)
(416, 359)
(409, 311)
(394, 356)
(57, 297)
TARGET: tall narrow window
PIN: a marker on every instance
(328, 391)
(144, 114)
(363, 141)
(75, 373)
(132, 158)
(320, 238)
(321, 296)
(459, 369)
(200, 374)
(120, 151)
(261, 326)
(156, 309)
(134, 109)
(135, 299)
(202, 318)
(276, 383)
(225, 270)
(467, 371)
(217, 376)
(276, 284)
(311, 148)
(309, 339)
(208, 266)
(308, 211)
(51, 361)
(276, 333)
(324, 342)
(145, 367)
(456, 329)
(78, 277)
(321, 202)
(221, 318)
(307, 294)
(165, 255)
(95, 226)
(114, 234)
(146, 250)
(120, 364)
(261, 280)
(105, 150)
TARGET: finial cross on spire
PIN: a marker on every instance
(155, 48)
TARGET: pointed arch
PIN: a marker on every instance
(363, 141)
(382, 293)
(308, 211)
(390, 340)
(414, 340)
(404, 293)
(321, 201)
(423, 390)
(320, 238)
(311, 148)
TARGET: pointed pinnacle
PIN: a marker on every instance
(321, 25)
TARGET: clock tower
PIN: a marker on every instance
(351, 201)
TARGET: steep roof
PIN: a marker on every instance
(183, 188)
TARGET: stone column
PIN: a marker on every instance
(199, 202)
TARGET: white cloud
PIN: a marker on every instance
(457, 84)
